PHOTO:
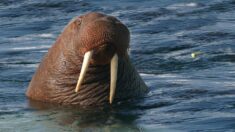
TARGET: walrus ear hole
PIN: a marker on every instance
(79, 20)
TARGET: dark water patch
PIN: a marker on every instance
(139, 105)
(7, 14)
(192, 107)
(168, 85)
(171, 65)
(10, 83)
(28, 28)
(17, 110)
(222, 93)
(223, 58)
(217, 7)
(48, 4)
(209, 36)
(17, 78)
(8, 113)
(78, 7)
(152, 105)
(7, 97)
(204, 104)
(190, 94)
(13, 81)
(17, 58)
(12, 55)
(57, 4)
(67, 6)
(101, 118)
(7, 2)
(34, 26)
(223, 6)
(169, 25)
(83, 118)
(205, 125)
(171, 46)
(19, 63)
(15, 53)
(146, 16)
(38, 9)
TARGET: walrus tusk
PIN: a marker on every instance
(113, 73)
(85, 65)
(113, 77)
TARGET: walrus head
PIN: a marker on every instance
(101, 40)
(92, 40)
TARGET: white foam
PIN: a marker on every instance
(21, 38)
(31, 65)
(32, 47)
(181, 5)
(167, 77)
(41, 51)
(46, 35)
(147, 75)
(32, 37)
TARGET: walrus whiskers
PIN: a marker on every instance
(113, 73)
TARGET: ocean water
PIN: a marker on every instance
(186, 94)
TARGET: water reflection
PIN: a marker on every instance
(116, 118)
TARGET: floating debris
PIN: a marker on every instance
(195, 54)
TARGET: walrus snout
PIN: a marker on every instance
(103, 54)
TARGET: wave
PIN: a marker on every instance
(32, 37)
(31, 47)
(182, 5)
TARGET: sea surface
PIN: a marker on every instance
(186, 93)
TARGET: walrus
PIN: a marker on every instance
(88, 65)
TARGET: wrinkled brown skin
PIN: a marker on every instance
(56, 77)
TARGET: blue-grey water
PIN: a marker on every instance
(186, 94)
